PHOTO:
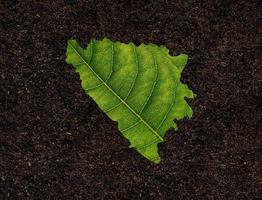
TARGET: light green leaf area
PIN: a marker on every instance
(137, 86)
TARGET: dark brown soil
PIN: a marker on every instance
(57, 144)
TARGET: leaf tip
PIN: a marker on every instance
(174, 126)
(180, 61)
(155, 160)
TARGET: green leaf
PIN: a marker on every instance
(138, 87)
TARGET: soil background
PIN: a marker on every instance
(57, 144)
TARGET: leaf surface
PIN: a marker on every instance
(137, 86)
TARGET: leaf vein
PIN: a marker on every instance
(132, 126)
(153, 87)
(95, 87)
(92, 51)
(137, 70)
(142, 147)
(112, 63)
(113, 107)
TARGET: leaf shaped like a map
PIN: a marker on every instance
(137, 86)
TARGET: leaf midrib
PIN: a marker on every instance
(116, 95)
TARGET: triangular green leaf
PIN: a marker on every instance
(139, 87)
